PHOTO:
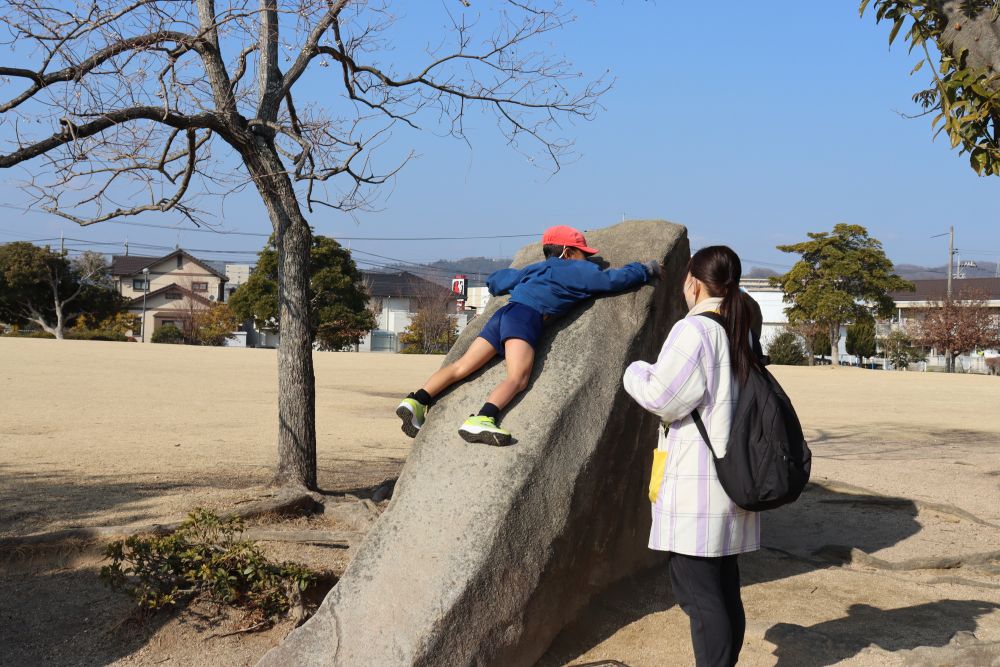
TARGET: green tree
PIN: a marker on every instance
(842, 276)
(861, 339)
(337, 309)
(962, 96)
(168, 333)
(899, 350)
(42, 287)
(786, 350)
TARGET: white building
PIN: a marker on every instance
(237, 275)
(772, 308)
(477, 297)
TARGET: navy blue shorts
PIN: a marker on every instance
(515, 320)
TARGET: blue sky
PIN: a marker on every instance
(751, 123)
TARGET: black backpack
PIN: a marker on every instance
(767, 462)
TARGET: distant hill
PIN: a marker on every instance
(442, 271)
(471, 266)
(914, 272)
(760, 272)
(908, 271)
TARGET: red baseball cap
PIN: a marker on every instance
(567, 236)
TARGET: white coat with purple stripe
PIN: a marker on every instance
(692, 514)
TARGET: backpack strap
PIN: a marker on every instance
(704, 432)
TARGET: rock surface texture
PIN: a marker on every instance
(484, 554)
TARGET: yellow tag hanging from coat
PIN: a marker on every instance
(659, 471)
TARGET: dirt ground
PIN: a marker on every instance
(907, 469)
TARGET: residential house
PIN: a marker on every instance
(179, 285)
(395, 298)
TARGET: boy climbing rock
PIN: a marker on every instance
(538, 292)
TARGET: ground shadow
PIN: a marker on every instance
(52, 615)
(816, 532)
(827, 643)
(33, 501)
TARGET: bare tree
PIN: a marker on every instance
(959, 325)
(433, 328)
(123, 104)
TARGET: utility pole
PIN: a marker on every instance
(62, 243)
(951, 255)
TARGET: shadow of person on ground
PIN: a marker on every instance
(814, 533)
(829, 642)
(824, 525)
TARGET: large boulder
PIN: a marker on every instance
(484, 553)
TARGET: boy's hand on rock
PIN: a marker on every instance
(655, 270)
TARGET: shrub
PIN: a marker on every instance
(168, 333)
(993, 365)
(72, 334)
(786, 350)
(29, 334)
(96, 334)
(203, 557)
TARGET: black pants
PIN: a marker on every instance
(708, 590)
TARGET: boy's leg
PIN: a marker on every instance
(482, 428)
(474, 358)
(413, 408)
(520, 357)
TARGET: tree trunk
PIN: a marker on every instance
(834, 344)
(296, 380)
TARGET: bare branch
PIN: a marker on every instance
(161, 206)
(71, 132)
(42, 80)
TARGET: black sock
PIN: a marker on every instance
(489, 410)
(421, 397)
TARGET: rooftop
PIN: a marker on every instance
(936, 290)
(402, 284)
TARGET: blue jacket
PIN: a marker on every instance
(552, 287)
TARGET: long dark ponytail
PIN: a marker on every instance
(719, 268)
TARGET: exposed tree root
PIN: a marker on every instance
(855, 556)
(876, 498)
(964, 581)
(339, 540)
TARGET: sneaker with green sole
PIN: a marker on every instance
(412, 412)
(478, 428)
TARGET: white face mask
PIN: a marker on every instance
(690, 291)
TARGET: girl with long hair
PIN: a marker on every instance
(701, 366)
